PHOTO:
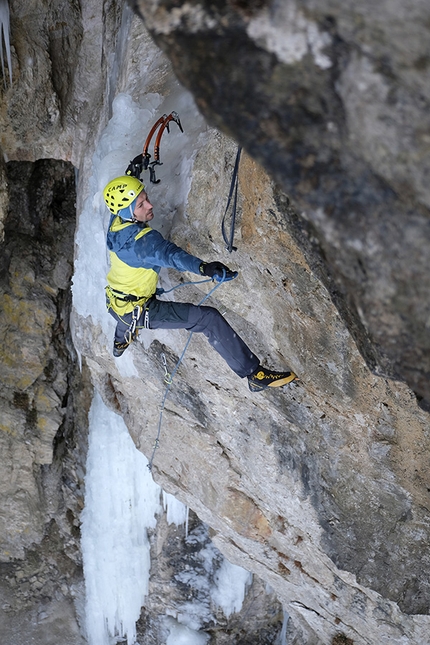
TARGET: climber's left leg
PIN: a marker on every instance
(208, 321)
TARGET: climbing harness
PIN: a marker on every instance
(168, 377)
(132, 331)
(120, 295)
(233, 189)
(118, 301)
(142, 161)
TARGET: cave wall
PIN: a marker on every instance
(332, 99)
(44, 403)
(61, 62)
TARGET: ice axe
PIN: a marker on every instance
(142, 161)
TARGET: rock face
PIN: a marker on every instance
(44, 405)
(44, 396)
(321, 490)
(308, 488)
(332, 99)
(60, 65)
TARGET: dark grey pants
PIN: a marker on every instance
(195, 318)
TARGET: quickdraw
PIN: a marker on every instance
(142, 162)
(167, 375)
(132, 333)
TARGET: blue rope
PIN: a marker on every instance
(172, 375)
(160, 290)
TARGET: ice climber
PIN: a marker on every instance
(137, 253)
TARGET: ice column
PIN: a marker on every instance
(121, 501)
(5, 35)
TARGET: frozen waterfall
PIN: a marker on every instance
(122, 501)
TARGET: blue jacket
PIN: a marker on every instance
(137, 253)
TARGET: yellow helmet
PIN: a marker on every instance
(121, 192)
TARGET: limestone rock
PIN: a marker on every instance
(332, 99)
(320, 490)
(309, 488)
(59, 68)
(43, 403)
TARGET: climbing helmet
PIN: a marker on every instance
(121, 192)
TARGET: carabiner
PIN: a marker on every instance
(167, 376)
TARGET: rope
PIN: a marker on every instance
(171, 376)
(160, 290)
(233, 188)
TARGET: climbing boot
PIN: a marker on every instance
(262, 378)
(119, 348)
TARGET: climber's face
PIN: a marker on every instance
(143, 209)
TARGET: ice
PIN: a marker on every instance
(177, 512)
(212, 581)
(186, 522)
(125, 364)
(5, 36)
(182, 635)
(121, 503)
(231, 583)
(120, 142)
(283, 634)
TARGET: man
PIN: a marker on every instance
(137, 254)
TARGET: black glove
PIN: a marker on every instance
(217, 271)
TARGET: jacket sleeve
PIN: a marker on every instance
(153, 251)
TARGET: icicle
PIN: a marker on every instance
(4, 34)
(283, 636)
(176, 510)
(186, 521)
